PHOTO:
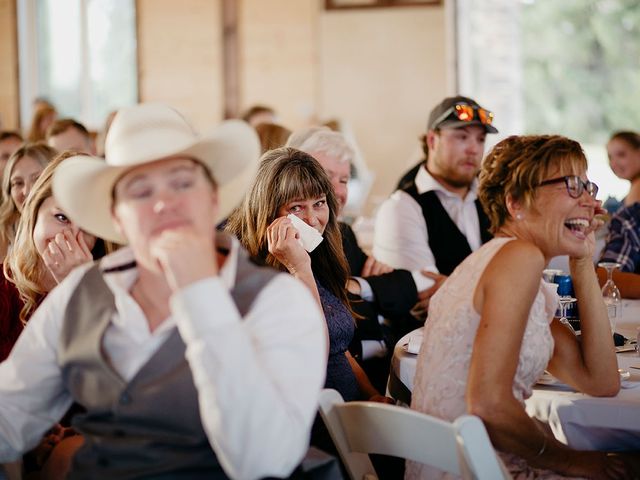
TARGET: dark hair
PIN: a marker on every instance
(64, 124)
(627, 136)
(272, 135)
(286, 174)
(255, 110)
(6, 134)
(425, 144)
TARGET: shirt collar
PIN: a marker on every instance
(121, 281)
(425, 182)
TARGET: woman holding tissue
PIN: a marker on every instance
(491, 331)
(288, 209)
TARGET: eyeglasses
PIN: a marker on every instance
(575, 185)
(466, 113)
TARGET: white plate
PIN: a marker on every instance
(626, 348)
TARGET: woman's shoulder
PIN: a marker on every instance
(516, 258)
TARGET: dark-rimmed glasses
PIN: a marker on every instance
(466, 113)
(575, 185)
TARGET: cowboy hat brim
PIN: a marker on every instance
(83, 186)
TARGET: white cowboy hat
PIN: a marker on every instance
(83, 185)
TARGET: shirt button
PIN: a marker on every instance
(125, 399)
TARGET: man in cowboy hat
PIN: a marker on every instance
(191, 361)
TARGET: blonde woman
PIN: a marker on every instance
(22, 170)
(46, 248)
(48, 245)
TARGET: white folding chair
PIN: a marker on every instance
(358, 428)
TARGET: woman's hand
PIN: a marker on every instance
(53, 437)
(184, 256)
(282, 239)
(598, 465)
(65, 252)
(596, 222)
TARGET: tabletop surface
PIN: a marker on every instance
(577, 419)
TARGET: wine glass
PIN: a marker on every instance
(611, 294)
(565, 301)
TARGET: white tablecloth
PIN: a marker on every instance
(579, 420)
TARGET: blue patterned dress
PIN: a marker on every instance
(341, 327)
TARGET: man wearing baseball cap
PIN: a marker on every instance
(190, 360)
(433, 221)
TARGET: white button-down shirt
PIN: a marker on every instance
(257, 377)
(401, 238)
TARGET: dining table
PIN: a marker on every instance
(579, 420)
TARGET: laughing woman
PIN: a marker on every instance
(487, 342)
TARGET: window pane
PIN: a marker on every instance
(543, 66)
(59, 54)
(112, 61)
(86, 57)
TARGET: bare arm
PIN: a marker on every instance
(504, 314)
(590, 366)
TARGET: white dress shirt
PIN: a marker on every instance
(401, 239)
(257, 377)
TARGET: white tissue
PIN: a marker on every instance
(309, 237)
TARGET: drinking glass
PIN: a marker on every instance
(548, 274)
(611, 294)
(565, 301)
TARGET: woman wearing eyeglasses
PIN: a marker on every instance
(623, 244)
(491, 331)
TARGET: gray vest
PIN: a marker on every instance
(149, 427)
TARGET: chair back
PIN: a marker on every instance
(360, 428)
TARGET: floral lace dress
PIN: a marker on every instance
(445, 355)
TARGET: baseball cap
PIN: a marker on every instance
(459, 111)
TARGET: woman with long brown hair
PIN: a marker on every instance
(292, 182)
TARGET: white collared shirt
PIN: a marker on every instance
(401, 239)
(267, 367)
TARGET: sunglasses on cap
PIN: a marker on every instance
(466, 113)
(575, 185)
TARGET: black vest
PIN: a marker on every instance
(150, 426)
(448, 244)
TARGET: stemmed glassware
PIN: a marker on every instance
(611, 294)
(565, 301)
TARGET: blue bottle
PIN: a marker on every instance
(565, 288)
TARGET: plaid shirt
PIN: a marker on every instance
(623, 240)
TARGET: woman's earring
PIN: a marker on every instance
(518, 216)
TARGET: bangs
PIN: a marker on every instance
(562, 165)
(299, 184)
